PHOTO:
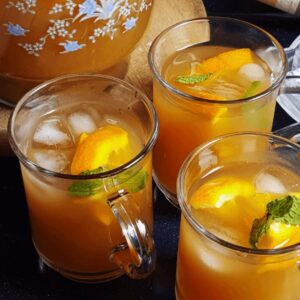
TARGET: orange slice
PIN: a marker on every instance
(94, 150)
(215, 193)
(103, 213)
(279, 235)
(226, 61)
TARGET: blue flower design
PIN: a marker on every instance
(108, 7)
(16, 30)
(88, 7)
(71, 46)
(130, 23)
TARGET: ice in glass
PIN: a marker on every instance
(210, 81)
(240, 228)
(88, 167)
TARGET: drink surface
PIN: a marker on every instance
(226, 203)
(217, 73)
(58, 134)
(184, 124)
(73, 227)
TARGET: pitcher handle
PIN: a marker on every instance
(137, 256)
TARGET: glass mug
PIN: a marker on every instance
(41, 40)
(209, 265)
(87, 236)
(185, 120)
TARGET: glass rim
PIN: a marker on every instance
(164, 83)
(200, 229)
(137, 158)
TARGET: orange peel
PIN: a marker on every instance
(94, 150)
(226, 61)
(215, 193)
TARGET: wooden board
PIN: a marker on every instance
(164, 14)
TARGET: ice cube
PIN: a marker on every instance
(216, 259)
(212, 261)
(51, 160)
(253, 72)
(52, 132)
(267, 183)
(81, 121)
(207, 159)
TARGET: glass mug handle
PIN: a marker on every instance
(137, 256)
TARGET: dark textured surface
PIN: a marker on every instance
(21, 277)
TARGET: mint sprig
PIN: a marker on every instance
(89, 187)
(85, 188)
(131, 180)
(192, 79)
(252, 89)
(284, 210)
(259, 228)
(137, 182)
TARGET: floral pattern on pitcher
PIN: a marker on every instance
(24, 7)
(111, 17)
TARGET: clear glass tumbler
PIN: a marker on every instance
(211, 263)
(88, 227)
(186, 120)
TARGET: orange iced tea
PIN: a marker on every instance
(205, 89)
(185, 124)
(240, 238)
(76, 230)
(42, 39)
(94, 167)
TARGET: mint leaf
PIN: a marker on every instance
(252, 89)
(85, 188)
(88, 187)
(131, 181)
(192, 79)
(137, 182)
(284, 210)
(259, 228)
(93, 172)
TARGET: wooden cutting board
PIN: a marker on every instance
(164, 14)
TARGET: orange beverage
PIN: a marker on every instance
(240, 230)
(86, 168)
(205, 87)
(44, 39)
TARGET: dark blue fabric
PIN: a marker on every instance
(20, 275)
